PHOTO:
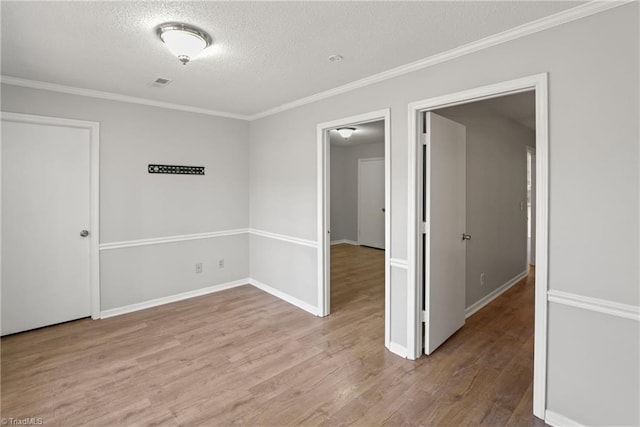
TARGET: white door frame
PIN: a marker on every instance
(366, 159)
(323, 208)
(94, 188)
(414, 292)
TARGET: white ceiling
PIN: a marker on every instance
(265, 54)
(365, 133)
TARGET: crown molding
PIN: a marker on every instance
(53, 87)
(523, 30)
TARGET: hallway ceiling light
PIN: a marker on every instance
(346, 132)
(183, 40)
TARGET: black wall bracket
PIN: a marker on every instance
(178, 170)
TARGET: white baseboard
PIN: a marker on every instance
(344, 241)
(398, 349)
(473, 308)
(285, 297)
(204, 291)
(557, 420)
(172, 298)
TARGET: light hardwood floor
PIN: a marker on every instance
(245, 357)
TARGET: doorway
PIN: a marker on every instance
(50, 224)
(419, 308)
(531, 206)
(370, 198)
(341, 222)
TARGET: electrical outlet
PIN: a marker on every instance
(198, 267)
(481, 278)
(221, 263)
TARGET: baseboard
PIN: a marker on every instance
(398, 349)
(172, 298)
(557, 420)
(344, 241)
(473, 308)
(204, 291)
(285, 297)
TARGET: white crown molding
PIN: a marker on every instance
(282, 237)
(613, 308)
(523, 30)
(53, 87)
(171, 239)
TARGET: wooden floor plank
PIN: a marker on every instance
(244, 357)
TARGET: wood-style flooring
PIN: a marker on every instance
(245, 357)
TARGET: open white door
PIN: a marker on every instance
(445, 217)
(371, 202)
(46, 196)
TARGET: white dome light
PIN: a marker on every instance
(346, 132)
(183, 40)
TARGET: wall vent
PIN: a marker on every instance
(161, 82)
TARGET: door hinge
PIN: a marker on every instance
(423, 316)
(423, 228)
(424, 138)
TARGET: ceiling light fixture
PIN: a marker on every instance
(184, 41)
(346, 132)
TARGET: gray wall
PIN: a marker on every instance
(592, 62)
(496, 188)
(344, 186)
(137, 205)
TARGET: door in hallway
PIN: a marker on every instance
(445, 218)
(371, 202)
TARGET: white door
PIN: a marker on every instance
(444, 247)
(371, 202)
(45, 207)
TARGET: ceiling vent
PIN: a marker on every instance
(161, 82)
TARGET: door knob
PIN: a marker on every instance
(84, 233)
(466, 236)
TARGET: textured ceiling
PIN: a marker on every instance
(265, 53)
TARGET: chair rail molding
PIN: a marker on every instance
(171, 239)
(626, 311)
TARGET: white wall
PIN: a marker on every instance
(593, 79)
(137, 205)
(496, 164)
(344, 186)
